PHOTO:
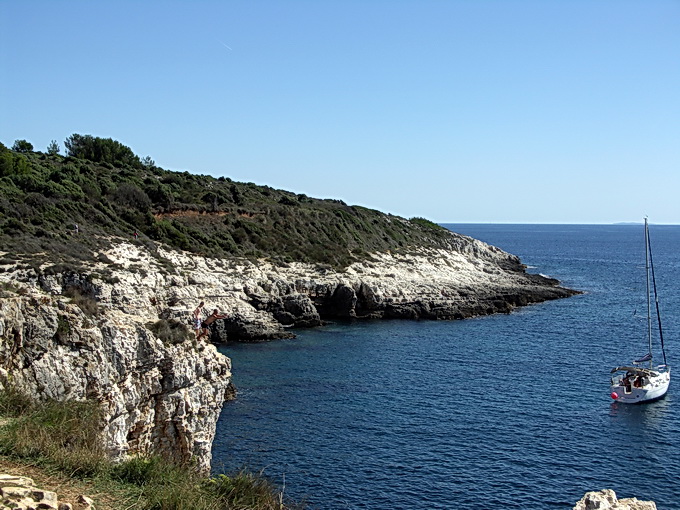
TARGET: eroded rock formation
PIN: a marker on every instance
(156, 397)
(87, 332)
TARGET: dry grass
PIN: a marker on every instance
(58, 444)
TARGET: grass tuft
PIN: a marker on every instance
(66, 433)
(66, 437)
(14, 403)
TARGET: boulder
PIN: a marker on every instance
(20, 493)
(606, 500)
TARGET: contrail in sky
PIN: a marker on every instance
(224, 45)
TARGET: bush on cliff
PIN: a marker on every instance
(85, 302)
(170, 331)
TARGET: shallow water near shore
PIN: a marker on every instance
(508, 411)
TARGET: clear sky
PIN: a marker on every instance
(543, 111)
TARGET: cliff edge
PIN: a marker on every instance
(101, 331)
(103, 257)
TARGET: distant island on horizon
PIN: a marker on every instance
(620, 223)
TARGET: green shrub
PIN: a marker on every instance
(86, 303)
(132, 196)
(170, 331)
(63, 328)
(139, 470)
(427, 223)
(245, 490)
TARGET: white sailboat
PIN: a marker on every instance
(642, 381)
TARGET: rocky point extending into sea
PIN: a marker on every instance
(89, 333)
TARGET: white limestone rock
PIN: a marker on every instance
(156, 398)
(606, 500)
(20, 493)
(166, 398)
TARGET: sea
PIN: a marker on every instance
(500, 412)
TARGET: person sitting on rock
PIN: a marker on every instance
(205, 325)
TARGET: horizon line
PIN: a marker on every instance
(617, 223)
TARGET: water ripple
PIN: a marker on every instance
(496, 413)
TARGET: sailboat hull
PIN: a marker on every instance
(636, 388)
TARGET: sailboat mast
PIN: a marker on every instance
(656, 299)
(649, 306)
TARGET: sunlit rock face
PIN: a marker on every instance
(115, 329)
(606, 500)
(156, 398)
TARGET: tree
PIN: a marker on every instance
(147, 162)
(101, 150)
(12, 164)
(22, 146)
(53, 148)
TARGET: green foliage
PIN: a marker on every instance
(427, 223)
(53, 148)
(139, 470)
(101, 150)
(244, 490)
(65, 433)
(170, 331)
(108, 191)
(14, 403)
(11, 163)
(147, 162)
(22, 146)
(168, 486)
(66, 437)
(130, 195)
(63, 328)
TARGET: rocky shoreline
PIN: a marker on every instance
(21, 493)
(87, 333)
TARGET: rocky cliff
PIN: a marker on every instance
(97, 331)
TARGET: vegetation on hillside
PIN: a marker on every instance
(64, 437)
(107, 190)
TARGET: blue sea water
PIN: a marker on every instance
(501, 412)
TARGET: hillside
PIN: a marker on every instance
(108, 191)
(100, 315)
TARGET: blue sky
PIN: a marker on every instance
(458, 111)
